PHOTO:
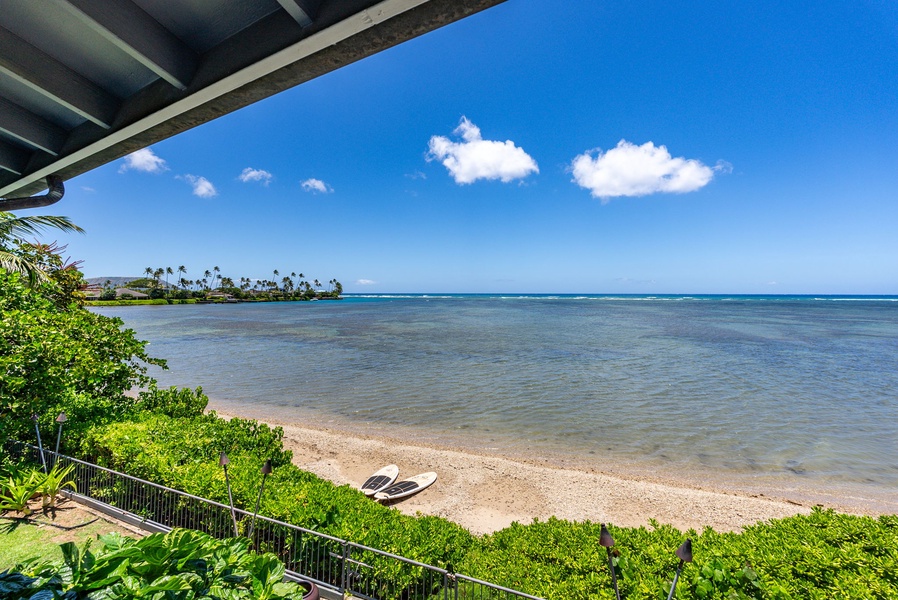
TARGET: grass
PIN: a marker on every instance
(40, 535)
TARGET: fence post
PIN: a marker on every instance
(344, 575)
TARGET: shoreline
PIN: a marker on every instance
(485, 492)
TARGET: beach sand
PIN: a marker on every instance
(487, 493)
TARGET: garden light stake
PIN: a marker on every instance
(266, 471)
(223, 462)
(606, 541)
(60, 419)
(40, 446)
(684, 553)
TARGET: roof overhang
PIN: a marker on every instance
(85, 82)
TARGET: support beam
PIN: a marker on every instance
(250, 65)
(31, 129)
(13, 158)
(302, 11)
(137, 34)
(47, 76)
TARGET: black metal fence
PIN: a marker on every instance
(330, 562)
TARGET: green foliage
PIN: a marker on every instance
(821, 555)
(172, 402)
(20, 485)
(13, 231)
(182, 564)
(54, 482)
(18, 489)
(166, 449)
(55, 359)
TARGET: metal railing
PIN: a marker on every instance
(331, 562)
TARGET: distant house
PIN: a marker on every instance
(122, 292)
(92, 292)
(221, 296)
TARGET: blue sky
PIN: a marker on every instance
(597, 147)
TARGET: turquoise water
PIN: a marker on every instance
(755, 391)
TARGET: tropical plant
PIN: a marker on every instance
(14, 229)
(18, 490)
(54, 482)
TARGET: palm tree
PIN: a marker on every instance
(168, 271)
(13, 229)
(182, 270)
(217, 275)
(148, 272)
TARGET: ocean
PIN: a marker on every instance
(750, 392)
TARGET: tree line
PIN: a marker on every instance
(167, 282)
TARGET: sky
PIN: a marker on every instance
(567, 147)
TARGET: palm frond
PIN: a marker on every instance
(13, 227)
(16, 264)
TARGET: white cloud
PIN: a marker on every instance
(143, 160)
(88, 189)
(365, 282)
(416, 175)
(249, 174)
(202, 187)
(316, 186)
(631, 170)
(476, 158)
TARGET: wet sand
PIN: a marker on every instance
(486, 493)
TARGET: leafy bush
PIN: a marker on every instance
(164, 449)
(180, 564)
(54, 359)
(173, 402)
(822, 555)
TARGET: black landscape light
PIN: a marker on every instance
(40, 446)
(223, 462)
(684, 553)
(266, 471)
(60, 419)
(606, 541)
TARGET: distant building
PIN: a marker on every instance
(121, 292)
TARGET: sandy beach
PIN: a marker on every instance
(487, 493)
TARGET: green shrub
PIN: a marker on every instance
(56, 359)
(173, 402)
(821, 555)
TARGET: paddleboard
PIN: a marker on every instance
(406, 487)
(380, 480)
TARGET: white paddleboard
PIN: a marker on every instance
(406, 487)
(380, 480)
